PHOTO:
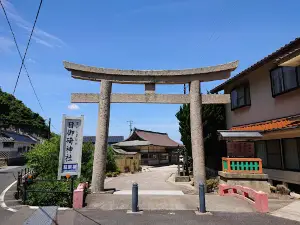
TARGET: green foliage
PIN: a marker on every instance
(213, 119)
(43, 158)
(87, 160)
(47, 199)
(111, 165)
(212, 184)
(183, 116)
(109, 174)
(14, 113)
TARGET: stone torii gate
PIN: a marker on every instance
(149, 78)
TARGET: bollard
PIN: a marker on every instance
(202, 207)
(135, 199)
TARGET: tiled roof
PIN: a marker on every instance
(122, 152)
(273, 56)
(271, 125)
(6, 139)
(111, 139)
(132, 143)
(16, 137)
(155, 138)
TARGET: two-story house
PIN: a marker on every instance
(266, 98)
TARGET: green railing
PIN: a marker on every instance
(242, 165)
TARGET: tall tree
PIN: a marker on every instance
(213, 118)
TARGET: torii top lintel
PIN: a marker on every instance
(210, 73)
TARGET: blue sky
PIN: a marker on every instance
(140, 34)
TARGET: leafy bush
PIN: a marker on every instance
(212, 184)
(47, 199)
(115, 174)
(111, 165)
(109, 174)
(44, 158)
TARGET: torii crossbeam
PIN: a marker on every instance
(149, 78)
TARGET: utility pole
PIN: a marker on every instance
(49, 129)
(130, 126)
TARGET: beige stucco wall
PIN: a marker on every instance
(263, 105)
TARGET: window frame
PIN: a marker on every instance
(245, 86)
(10, 144)
(298, 151)
(282, 154)
(285, 91)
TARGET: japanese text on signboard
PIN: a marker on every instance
(71, 140)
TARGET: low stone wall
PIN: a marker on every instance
(258, 182)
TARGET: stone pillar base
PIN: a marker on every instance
(258, 182)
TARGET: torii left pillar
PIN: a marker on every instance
(99, 164)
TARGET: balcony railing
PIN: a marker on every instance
(242, 165)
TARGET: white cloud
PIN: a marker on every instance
(6, 44)
(73, 107)
(30, 60)
(39, 36)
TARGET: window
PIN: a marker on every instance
(291, 154)
(274, 154)
(289, 77)
(240, 96)
(270, 153)
(164, 156)
(284, 79)
(8, 144)
(261, 152)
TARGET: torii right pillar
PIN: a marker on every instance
(197, 133)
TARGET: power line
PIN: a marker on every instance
(17, 46)
(16, 43)
(37, 15)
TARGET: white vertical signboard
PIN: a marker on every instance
(70, 146)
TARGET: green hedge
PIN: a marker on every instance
(48, 199)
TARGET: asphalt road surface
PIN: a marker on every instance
(93, 217)
(7, 176)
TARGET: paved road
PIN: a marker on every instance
(7, 176)
(155, 179)
(92, 217)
